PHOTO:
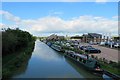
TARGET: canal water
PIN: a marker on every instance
(47, 63)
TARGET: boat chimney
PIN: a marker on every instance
(87, 56)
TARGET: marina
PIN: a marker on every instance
(70, 40)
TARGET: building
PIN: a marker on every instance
(55, 37)
(76, 38)
(92, 37)
(116, 39)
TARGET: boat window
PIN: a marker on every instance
(68, 54)
(89, 61)
(84, 61)
(77, 58)
(80, 59)
(72, 55)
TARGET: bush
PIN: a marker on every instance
(14, 40)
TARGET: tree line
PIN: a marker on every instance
(14, 40)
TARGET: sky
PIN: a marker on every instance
(64, 18)
(60, 0)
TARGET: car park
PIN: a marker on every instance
(90, 49)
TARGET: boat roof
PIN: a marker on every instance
(82, 56)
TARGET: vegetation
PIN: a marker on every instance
(14, 40)
(16, 50)
(17, 62)
(73, 49)
(110, 66)
(113, 68)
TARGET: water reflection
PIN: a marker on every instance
(44, 52)
(87, 74)
(23, 67)
(18, 64)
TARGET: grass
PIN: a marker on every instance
(110, 68)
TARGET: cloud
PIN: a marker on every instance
(2, 25)
(82, 24)
(9, 16)
(54, 24)
(55, 13)
(101, 0)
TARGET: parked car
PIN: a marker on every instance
(116, 45)
(106, 43)
(111, 44)
(83, 47)
(92, 50)
(102, 44)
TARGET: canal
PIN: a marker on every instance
(47, 63)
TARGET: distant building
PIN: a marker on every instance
(92, 37)
(116, 39)
(77, 38)
(55, 37)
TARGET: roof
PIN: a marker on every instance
(76, 37)
(95, 35)
(82, 56)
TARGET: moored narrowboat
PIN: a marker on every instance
(84, 60)
(57, 48)
(49, 44)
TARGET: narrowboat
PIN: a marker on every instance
(49, 44)
(57, 48)
(84, 60)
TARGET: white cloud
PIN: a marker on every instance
(9, 16)
(81, 24)
(55, 13)
(8, 26)
(101, 0)
(2, 25)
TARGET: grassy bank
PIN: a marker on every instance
(15, 63)
(111, 68)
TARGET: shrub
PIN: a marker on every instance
(15, 39)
